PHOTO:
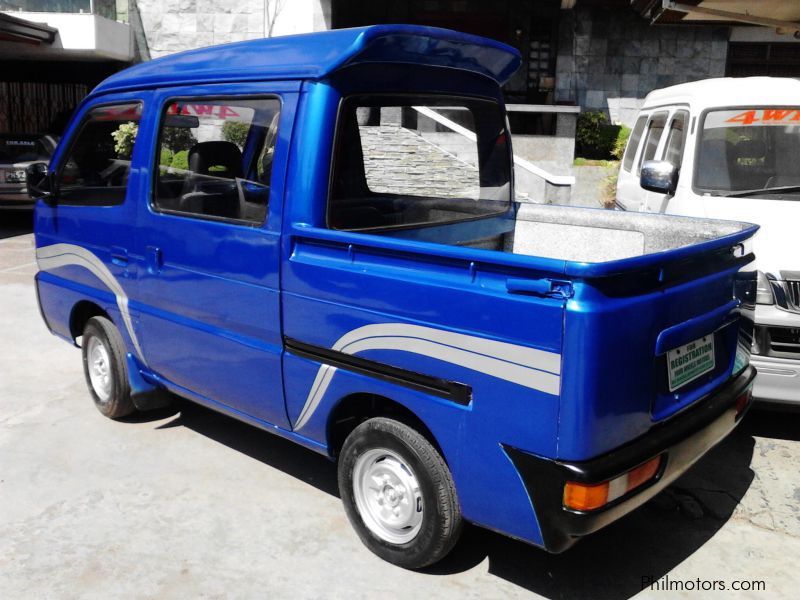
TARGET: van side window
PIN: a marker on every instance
(633, 143)
(676, 138)
(655, 130)
(215, 158)
(96, 169)
(405, 163)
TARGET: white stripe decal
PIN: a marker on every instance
(531, 368)
(61, 255)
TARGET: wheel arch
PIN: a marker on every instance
(354, 409)
(80, 315)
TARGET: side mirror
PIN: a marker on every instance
(39, 181)
(659, 176)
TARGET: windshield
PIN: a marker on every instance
(21, 149)
(750, 152)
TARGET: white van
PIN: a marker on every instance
(730, 148)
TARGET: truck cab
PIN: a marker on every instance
(731, 146)
(318, 235)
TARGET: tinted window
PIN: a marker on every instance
(16, 149)
(412, 162)
(633, 143)
(676, 138)
(215, 157)
(654, 132)
(97, 166)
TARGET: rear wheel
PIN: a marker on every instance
(105, 368)
(398, 493)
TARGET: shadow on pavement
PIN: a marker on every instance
(610, 564)
(15, 222)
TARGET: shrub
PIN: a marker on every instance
(181, 160)
(235, 132)
(622, 141)
(596, 138)
(124, 137)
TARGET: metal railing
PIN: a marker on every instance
(560, 180)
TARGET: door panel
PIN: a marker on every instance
(209, 272)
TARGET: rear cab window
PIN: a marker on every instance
(409, 163)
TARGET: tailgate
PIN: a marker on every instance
(643, 344)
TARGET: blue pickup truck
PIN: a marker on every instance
(319, 235)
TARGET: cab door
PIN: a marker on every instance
(209, 245)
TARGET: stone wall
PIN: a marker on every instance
(611, 59)
(176, 25)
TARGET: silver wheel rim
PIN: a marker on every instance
(99, 365)
(387, 496)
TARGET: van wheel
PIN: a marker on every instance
(398, 494)
(105, 368)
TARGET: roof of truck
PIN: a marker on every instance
(316, 55)
(729, 91)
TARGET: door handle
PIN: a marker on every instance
(544, 288)
(155, 259)
(119, 256)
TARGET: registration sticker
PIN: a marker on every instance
(689, 362)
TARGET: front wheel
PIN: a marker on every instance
(105, 368)
(398, 493)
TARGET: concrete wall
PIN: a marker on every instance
(611, 59)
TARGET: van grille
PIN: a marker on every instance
(784, 340)
(793, 291)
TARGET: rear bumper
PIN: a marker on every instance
(778, 380)
(12, 197)
(682, 441)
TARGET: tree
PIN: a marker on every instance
(235, 132)
(272, 8)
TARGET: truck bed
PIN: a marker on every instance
(592, 235)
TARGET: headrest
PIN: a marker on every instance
(219, 159)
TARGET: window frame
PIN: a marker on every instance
(345, 99)
(668, 139)
(632, 151)
(67, 153)
(155, 166)
(646, 137)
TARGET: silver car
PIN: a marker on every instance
(17, 152)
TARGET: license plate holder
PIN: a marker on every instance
(690, 361)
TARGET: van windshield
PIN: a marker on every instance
(750, 152)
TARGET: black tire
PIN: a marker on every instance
(441, 516)
(117, 402)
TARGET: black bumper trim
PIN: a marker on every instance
(683, 440)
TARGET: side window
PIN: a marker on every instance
(414, 162)
(655, 130)
(676, 138)
(95, 171)
(215, 157)
(633, 143)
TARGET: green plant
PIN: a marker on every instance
(165, 157)
(181, 160)
(177, 138)
(124, 137)
(621, 142)
(595, 137)
(235, 132)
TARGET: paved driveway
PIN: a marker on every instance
(186, 503)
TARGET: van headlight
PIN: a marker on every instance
(764, 294)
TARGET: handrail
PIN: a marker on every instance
(470, 135)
